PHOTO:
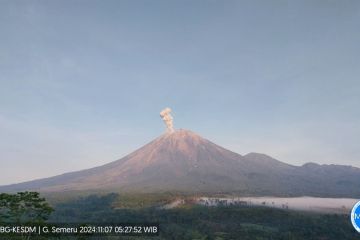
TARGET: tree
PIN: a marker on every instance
(24, 207)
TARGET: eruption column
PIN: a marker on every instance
(168, 119)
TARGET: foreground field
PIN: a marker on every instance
(201, 222)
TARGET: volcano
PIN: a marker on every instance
(183, 161)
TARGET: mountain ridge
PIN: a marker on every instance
(184, 161)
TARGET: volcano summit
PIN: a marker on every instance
(184, 161)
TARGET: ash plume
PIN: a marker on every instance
(168, 119)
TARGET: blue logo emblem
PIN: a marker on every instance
(355, 216)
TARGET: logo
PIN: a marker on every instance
(355, 216)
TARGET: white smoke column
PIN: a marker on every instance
(168, 119)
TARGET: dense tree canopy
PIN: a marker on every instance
(23, 207)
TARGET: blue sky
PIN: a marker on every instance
(82, 82)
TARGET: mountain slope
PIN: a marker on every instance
(184, 161)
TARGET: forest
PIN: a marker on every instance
(187, 222)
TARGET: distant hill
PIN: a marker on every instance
(185, 162)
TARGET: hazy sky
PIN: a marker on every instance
(82, 82)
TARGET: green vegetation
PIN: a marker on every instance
(189, 222)
(137, 200)
(23, 207)
(211, 223)
(26, 208)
